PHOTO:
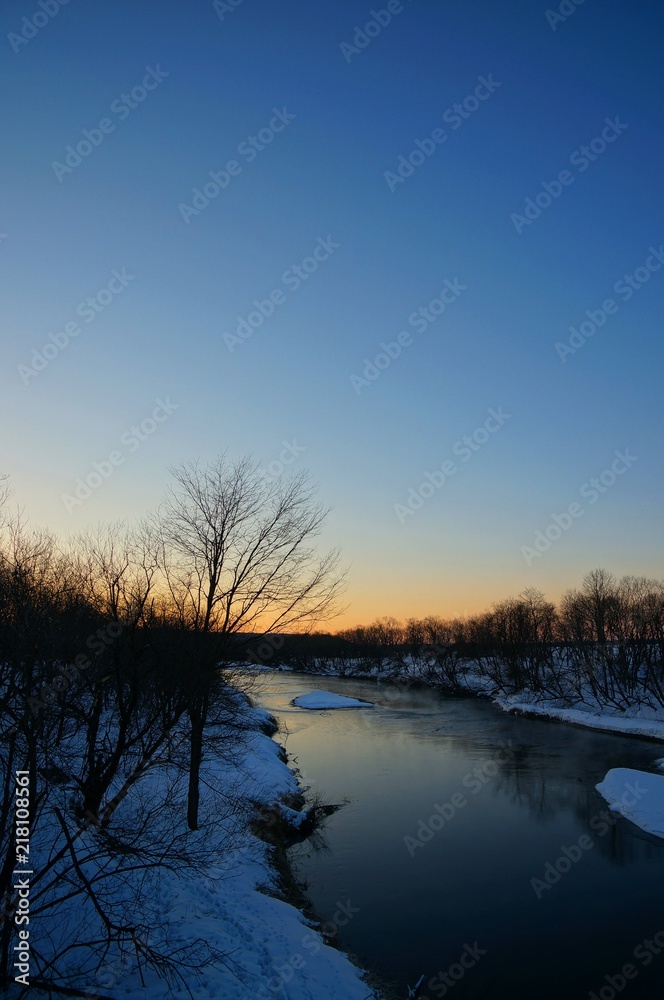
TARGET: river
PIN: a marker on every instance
(453, 814)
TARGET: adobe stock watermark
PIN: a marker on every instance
(571, 854)
(644, 953)
(292, 279)
(224, 7)
(581, 159)
(464, 448)
(31, 26)
(474, 781)
(563, 12)
(121, 108)
(445, 980)
(454, 116)
(377, 21)
(626, 287)
(130, 442)
(22, 950)
(275, 468)
(590, 491)
(87, 310)
(248, 150)
(420, 320)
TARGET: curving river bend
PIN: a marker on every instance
(459, 892)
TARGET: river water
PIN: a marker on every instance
(453, 814)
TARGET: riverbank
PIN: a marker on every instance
(639, 719)
(244, 908)
(216, 911)
(644, 722)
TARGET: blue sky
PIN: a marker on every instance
(219, 76)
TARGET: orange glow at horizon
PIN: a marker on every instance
(457, 600)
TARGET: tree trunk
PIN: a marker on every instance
(198, 715)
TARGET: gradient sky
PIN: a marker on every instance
(323, 176)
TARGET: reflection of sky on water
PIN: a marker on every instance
(471, 881)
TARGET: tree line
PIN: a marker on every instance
(603, 642)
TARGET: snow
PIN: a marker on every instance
(579, 708)
(635, 725)
(247, 667)
(636, 795)
(326, 699)
(230, 906)
(294, 818)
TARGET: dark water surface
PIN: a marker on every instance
(470, 883)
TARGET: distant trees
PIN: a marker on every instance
(604, 642)
(589, 615)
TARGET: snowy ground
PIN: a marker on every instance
(273, 950)
(263, 946)
(327, 699)
(636, 795)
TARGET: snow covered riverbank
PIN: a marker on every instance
(216, 905)
(273, 950)
(638, 722)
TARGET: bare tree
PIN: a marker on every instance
(600, 599)
(5, 496)
(237, 557)
(117, 567)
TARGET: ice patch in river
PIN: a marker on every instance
(636, 795)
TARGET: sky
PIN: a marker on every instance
(416, 249)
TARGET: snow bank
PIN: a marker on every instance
(635, 725)
(265, 948)
(326, 699)
(636, 795)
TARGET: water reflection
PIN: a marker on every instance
(475, 874)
